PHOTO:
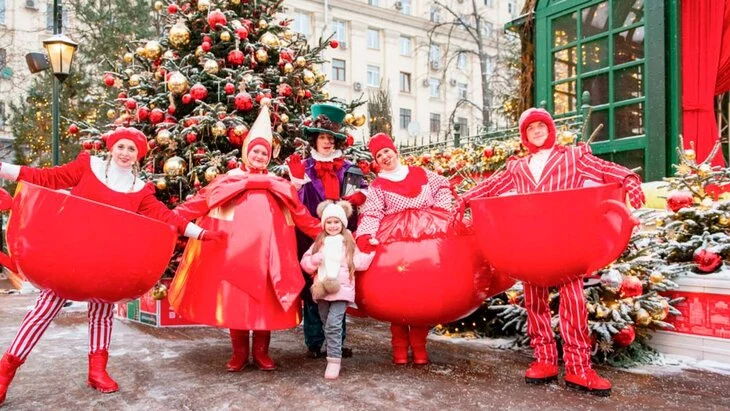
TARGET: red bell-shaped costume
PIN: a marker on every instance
(252, 281)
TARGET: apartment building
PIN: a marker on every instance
(387, 42)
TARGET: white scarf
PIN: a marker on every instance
(326, 158)
(333, 251)
(119, 179)
(399, 174)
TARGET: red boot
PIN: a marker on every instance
(98, 377)
(240, 344)
(261, 357)
(8, 365)
(541, 372)
(417, 337)
(399, 341)
(590, 382)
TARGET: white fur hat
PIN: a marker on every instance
(341, 209)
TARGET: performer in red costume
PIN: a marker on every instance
(396, 189)
(114, 182)
(253, 282)
(551, 167)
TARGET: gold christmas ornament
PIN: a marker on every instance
(153, 50)
(262, 56)
(210, 173)
(284, 118)
(159, 292)
(308, 77)
(239, 130)
(134, 80)
(656, 277)
(174, 166)
(210, 66)
(158, 75)
(320, 78)
(269, 39)
(360, 120)
(279, 128)
(288, 68)
(225, 36)
(690, 154)
(643, 317)
(140, 51)
(199, 51)
(301, 92)
(161, 184)
(349, 118)
(128, 57)
(111, 113)
(566, 138)
(235, 2)
(724, 220)
(179, 35)
(163, 137)
(177, 83)
(325, 94)
(159, 5)
(301, 61)
(263, 24)
(203, 5)
(218, 129)
(288, 35)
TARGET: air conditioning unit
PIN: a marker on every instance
(425, 82)
(343, 45)
(452, 82)
(398, 6)
(435, 64)
(357, 86)
(31, 4)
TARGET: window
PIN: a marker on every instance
(338, 70)
(49, 15)
(373, 76)
(489, 64)
(461, 61)
(405, 117)
(435, 15)
(489, 3)
(339, 28)
(301, 22)
(405, 82)
(375, 3)
(406, 48)
(434, 54)
(434, 122)
(461, 90)
(463, 126)
(512, 7)
(374, 39)
(405, 7)
(434, 87)
(3, 6)
(487, 29)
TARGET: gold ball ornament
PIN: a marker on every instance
(302, 92)
(235, 2)
(288, 68)
(134, 80)
(643, 317)
(724, 220)
(288, 35)
(262, 24)
(140, 51)
(269, 39)
(656, 277)
(199, 51)
(153, 50)
(218, 129)
(158, 75)
(111, 113)
(177, 83)
(161, 184)
(203, 5)
(159, 5)
(163, 137)
(211, 66)
(210, 173)
(308, 77)
(690, 154)
(359, 121)
(349, 118)
(174, 166)
(159, 292)
(284, 118)
(301, 61)
(262, 56)
(128, 57)
(279, 129)
(566, 138)
(225, 36)
(325, 94)
(179, 35)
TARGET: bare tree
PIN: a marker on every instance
(379, 108)
(468, 32)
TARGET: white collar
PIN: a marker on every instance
(120, 179)
(331, 157)
(399, 174)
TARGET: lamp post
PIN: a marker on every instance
(60, 51)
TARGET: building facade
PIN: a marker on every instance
(386, 42)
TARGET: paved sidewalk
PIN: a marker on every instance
(183, 369)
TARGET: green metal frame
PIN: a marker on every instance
(653, 97)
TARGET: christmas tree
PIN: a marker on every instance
(196, 90)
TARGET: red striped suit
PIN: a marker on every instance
(565, 168)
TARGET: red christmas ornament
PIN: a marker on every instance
(206, 39)
(248, 24)
(236, 138)
(187, 98)
(488, 151)
(171, 110)
(73, 129)
(96, 144)
(191, 137)
(243, 102)
(170, 119)
(631, 287)
(86, 144)
(242, 33)
(350, 140)
(143, 113)
(307, 94)
(284, 90)
(235, 58)
(364, 166)
(156, 116)
(286, 56)
(232, 163)
(229, 88)
(172, 8)
(122, 95)
(334, 43)
(152, 143)
(215, 18)
(130, 104)
(198, 92)
(707, 261)
(109, 80)
(205, 46)
(679, 200)
(625, 337)
(375, 167)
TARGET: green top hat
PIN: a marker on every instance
(334, 113)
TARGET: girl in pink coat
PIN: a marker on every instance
(332, 260)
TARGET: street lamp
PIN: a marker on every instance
(61, 50)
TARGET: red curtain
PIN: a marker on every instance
(702, 35)
(723, 71)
